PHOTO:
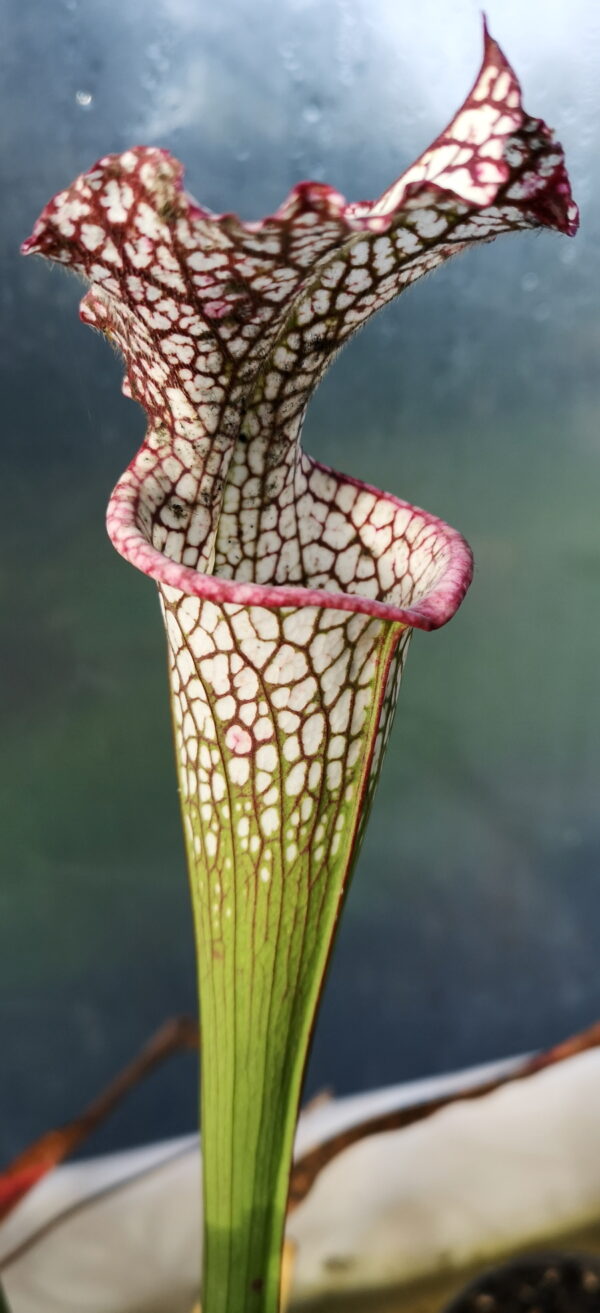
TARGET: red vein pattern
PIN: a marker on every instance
(278, 577)
(226, 327)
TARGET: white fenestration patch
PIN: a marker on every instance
(238, 740)
(295, 781)
(92, 236)
(266, 757)
(313, 733)
(269, 821)
(238, 769)
(117, 200)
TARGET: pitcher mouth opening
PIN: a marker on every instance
(441, 558)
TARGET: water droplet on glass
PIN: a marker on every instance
(542, 312)
(568, 254)
(311, 114)
(529, 282)
(84, 98)
(292, 64)
(568, 114)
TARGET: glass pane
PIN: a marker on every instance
(472, 926)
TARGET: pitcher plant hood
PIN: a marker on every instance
(227, 326)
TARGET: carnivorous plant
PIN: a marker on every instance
(289, 590)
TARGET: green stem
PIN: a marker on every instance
(256, 1027)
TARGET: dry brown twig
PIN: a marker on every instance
(52, 1148)
(307, 1168)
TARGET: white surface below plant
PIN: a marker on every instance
(119, 1234)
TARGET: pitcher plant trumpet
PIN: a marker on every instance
(289, 590)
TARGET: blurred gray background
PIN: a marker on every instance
(473, 925)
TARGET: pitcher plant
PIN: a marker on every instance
(289, 590)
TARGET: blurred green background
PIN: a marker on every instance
(472, 929)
